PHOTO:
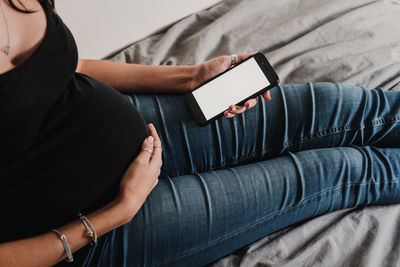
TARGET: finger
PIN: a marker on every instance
(236, 109)
(250, 103)
(267, 95)
(242, 57)
(147, 148)
(157, 149)
(153, 132)
(229, 115)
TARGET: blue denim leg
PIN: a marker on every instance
(299, 117)
(192, 220)
(237, 180)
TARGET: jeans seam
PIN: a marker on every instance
(394, 180)
(320, 134)
(341, 128)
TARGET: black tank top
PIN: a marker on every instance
(66, 139)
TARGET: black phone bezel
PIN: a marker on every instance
(265, 67)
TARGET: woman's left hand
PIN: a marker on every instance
(215, 66)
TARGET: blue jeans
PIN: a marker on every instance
(314, 148)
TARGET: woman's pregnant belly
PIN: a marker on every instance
(75, 164)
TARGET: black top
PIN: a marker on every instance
(66, 139)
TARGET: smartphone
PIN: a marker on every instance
(235, 86)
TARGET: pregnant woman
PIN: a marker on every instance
(84, 178)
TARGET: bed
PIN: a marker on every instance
(353, 42)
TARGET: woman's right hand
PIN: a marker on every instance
(215, 66)
(142, 175)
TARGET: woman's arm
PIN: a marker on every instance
(127, 77)
(138, 181)
(136, 78)
(47, 249)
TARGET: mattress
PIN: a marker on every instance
(352, 42)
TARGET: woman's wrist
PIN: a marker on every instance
(186, 78)
(124, 208)
(193, 83)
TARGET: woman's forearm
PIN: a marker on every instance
(47, 249)
(127, 77)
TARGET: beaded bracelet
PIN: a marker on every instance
(64, 241)
(89, 228)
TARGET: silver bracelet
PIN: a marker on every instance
(89, 228)
(65, 244)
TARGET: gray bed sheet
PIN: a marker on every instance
(349, 41)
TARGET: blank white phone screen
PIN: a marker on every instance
(230, 88)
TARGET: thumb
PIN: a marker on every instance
(242, 57)
(267, 95)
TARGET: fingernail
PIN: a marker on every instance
(233, 108)
(150, 139)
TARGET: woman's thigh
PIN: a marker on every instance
(195, 219)
(299, 117)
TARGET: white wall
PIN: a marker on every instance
(102, 26)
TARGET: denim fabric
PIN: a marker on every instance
(314, 148)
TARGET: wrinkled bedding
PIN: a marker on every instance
(353, 42)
